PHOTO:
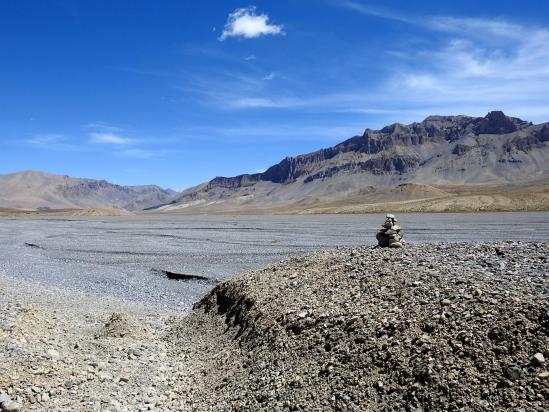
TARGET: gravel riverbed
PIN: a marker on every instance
(124, 257)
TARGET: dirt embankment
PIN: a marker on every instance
(431, 327)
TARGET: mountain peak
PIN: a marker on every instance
(496, 122)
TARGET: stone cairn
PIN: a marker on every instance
(389, 235)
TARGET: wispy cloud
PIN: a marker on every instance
(53, 141)
(43, 139)
(115, 139)
(269, 76)
(376, 11)
(137, 153)
(110, 138)
(246, 23)
(274, 132)
(475, 65)
(486, 63)
(250, 57)
(106, 139)
(100, 126)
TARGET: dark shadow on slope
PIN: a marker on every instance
(183, 276)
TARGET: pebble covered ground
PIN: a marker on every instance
(429, 327)
(426, 328)
(66, 351)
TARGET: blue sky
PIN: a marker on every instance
(178, 92)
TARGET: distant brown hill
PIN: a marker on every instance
(456, 163)
(39, 190)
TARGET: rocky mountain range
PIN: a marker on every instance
(39, 190)
(444, 163)
(435, 158)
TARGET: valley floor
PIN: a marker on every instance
(444, 199)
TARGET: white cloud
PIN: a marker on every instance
(109, 138)
(46, 139)
(52, 141)
(452, 65)
(275, 132)
(477, 65)
(476, 70)
(138, 153)
(100, 126)
(474, 26)
(250, 57)
(246, 23)
(260, 102)
(374, 11)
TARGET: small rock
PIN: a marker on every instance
(104, 376)
(513, 372)
(11, 406)
(4, 397)
(134, 353)
(53, 355)
(445, 302)
(538, 359)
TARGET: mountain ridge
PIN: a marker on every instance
(41, 190)
(440, 150)
(494, 123)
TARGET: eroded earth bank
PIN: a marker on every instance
(429, 327)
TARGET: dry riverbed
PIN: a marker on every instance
(431, 327)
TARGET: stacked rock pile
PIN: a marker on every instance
(389, 235)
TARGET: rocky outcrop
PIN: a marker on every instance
(497, 123)
(460, 149)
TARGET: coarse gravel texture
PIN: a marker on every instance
(429, 327)
(123, 257)
(66, 351)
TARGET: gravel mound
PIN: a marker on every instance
(429, 327)
(120, 325)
